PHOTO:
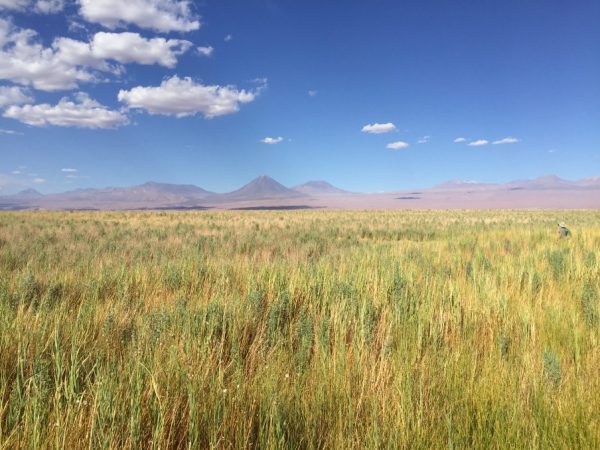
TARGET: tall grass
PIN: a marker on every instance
(299, 330)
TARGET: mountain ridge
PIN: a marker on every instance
(265, 191)
(318, 187)
(262, 187)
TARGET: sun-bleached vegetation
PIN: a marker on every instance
(304, 329)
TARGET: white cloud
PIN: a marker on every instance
(398, 145)
(478, 143)
(69, 170)
(49, 6)
(39, 6)
(205, 51)
(228, 38)
(77, 27)
(458, 140)
(10, 133)
(312, 92)
(121, 47)
(424, 140)
(182, 97)
(271, 140)
(14, 95)
(506, 140)
(15, 5)
(158, 15)
(83, 112)
(25, 61)
(68, 62)
(378, 128)
(39, 180)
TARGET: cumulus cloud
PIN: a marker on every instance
(68, 62)
(312, 92)
(15, 5)
(14, 95)
(205, 51)
(49, 6)
(424, 140)
(69, 170)
(121, 47)
(39, 6)
(81, 112)
(182, 97)
(158, 15)
(398, 145)
(39, 180)
(25, 61)
(272, 140)
(506, 140)
(458, 140)
(228, 38)
(478, 143)
(378, 128)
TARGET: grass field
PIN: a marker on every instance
(306, 329)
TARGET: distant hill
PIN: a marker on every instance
(28, 193)
(148, 195)
(464, 185)
(318, 187)
(545, 182)
(260, 188)
(151, 193)
(590, 182)
(174, 189)
(548, 182)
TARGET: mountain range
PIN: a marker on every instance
(266, 193)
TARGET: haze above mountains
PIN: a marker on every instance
(266, 193)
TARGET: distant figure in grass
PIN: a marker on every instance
(563, 231)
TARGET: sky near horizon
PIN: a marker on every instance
(368, 95)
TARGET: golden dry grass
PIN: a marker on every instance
(304, 329)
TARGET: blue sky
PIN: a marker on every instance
(201, 92)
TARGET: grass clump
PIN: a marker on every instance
(552, 368)
(589, 304)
